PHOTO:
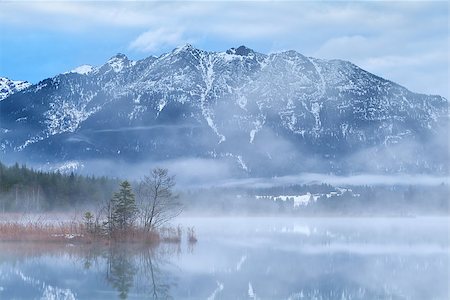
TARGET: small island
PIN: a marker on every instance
(138, 215)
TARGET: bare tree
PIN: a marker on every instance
(157, 202)
(103, 217)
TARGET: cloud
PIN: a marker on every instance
(422, 67)
(423, 72)
(155, 39)
(355, 46)
(406, 42)
(73, 16)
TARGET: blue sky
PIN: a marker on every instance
(407, 42)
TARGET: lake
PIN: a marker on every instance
(245, 258)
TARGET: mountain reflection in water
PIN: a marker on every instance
(247, 258)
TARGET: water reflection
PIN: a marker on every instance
(139, 268)
(251, 259)
(67, 271)
(120, 271)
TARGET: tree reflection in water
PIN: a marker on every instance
(121, 270)
(139, 267)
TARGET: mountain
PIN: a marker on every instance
(9, 87)
(265, 114)
(83, 70)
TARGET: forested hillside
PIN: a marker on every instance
(25, 189)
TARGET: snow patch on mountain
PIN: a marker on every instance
(66, 116)
(258, 125)
(117, 64)
(162, 103)
(69, 166)
(206, 65)
(321, 84)
(242, 163)
(137, 112)
(9, 87)
(83, 70)
(31, 140)
(315, 110)
(220, 287)
(239, 160)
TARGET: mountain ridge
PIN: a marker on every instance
(238, 105)
(9, 87)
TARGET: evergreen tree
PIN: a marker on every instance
(23, 189)
(124, 207)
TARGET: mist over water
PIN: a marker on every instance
(246, 258)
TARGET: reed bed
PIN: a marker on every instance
(77, 232)
(39, 231)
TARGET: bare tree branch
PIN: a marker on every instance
(157, 202)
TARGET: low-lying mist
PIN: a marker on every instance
(222, 185)
(194, 172)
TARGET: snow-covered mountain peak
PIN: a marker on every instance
(186, 51)
(290, 54)
(184, 48)
(233, 104)
(118, 56)
(83, 69)
(9, 87)
(119, 62)
(241, 51)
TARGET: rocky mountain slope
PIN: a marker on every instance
(269, 114)
(9, 87)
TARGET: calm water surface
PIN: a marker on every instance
(245, 258)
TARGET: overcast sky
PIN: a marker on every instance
(407, 42)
